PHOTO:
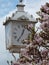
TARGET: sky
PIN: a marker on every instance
(7, 7)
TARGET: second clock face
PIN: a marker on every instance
(19, 33)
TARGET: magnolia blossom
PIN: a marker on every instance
(30, 26)
(44, 62)
(45, 9)
(44, 51)
(38, 39)
(45, 17)
(45, 26)
(24, 51)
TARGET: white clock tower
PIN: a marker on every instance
(15, 30)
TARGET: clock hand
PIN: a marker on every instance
(21, 34)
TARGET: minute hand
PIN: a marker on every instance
(21, 34)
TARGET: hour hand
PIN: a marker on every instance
(21, 34)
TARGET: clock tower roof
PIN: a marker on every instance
(20, 14)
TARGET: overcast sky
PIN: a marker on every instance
(6, 8)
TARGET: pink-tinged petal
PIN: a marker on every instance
(30, 25)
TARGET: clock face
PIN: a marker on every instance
(19, 33)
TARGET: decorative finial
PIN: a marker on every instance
(21, 0)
